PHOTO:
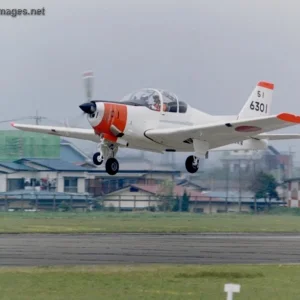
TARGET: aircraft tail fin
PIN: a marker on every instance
(259, 102)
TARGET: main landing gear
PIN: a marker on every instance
(192, 164)
(107, 151)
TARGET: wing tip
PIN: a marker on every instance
(286, 117)
(12, 124)
(267, 85)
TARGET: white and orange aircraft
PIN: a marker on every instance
(157, 121)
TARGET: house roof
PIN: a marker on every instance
(139, 166)
(53, 164)
(177, 191)
(273, 150)
(187, 182)
(68, 146)
(292, 179)
(15, 166)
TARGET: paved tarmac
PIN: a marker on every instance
(95, 249)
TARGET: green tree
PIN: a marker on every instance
(264, 186)
(176, 204)
(165, 194)
(185, 201)
(64, 206)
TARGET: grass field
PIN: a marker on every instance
(149, 282)
(144, 222)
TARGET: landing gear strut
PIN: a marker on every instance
(107, 151)
(192, 164)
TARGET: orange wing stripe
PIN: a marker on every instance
(266, 85)
(286, 117)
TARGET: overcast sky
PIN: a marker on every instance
(210, 53)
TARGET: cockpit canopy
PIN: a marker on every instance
(158, 100)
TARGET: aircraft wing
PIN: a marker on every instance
(278, 137)
(77, 133)
(218, 134)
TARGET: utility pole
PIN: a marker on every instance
(37, 118)
(240, 188)
(290, 163)
(227, 184)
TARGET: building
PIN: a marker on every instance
(42, 174)
(36, 200)
(39, 164)
(292, 192)
(132, 171)
(145, 197)
(269, 160)
(16, 144)
(188, 182)
(71, 153)
(58, 175)
(239, 168)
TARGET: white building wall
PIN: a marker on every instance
(127, 199)
(216, 207)
(3, 183)
(293, 194)
(60, 183)
(81, 185)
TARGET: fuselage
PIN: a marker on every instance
(127, 125)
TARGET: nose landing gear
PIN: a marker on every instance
(98, 159)
(107, 152)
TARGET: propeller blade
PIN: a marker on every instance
(88, 77)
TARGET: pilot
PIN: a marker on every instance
(156, 105)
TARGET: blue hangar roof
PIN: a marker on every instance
(15, 166)
(52, 164)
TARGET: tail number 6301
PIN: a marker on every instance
(255, 105)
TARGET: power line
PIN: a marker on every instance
(37, 118)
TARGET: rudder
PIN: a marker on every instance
(259, 102)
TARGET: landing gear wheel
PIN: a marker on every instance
(97, 158)
(192, 164)
(112, 166)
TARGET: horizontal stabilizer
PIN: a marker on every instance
(278, 137)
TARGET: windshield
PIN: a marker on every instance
(141, 97)
(154, 99)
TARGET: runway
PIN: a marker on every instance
(95, 249)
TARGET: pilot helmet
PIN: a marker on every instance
(156, 99)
